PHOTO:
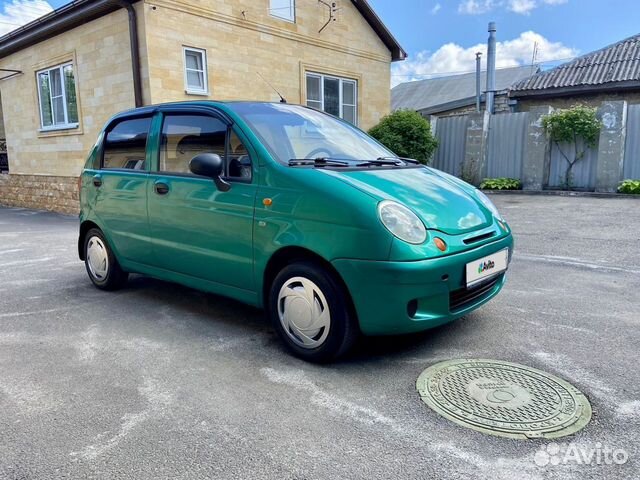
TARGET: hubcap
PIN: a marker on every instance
(304, 312)
(97, 258)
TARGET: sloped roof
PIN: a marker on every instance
(613, 67)
(78, 12)
(435, 95)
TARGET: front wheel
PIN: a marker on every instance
(311, 312)
(102, 266)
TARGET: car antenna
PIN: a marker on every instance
(282, 99)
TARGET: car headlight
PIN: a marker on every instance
(402, 222)
(488, 204)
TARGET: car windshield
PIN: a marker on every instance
(293, 132)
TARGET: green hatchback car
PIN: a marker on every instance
(290, 209)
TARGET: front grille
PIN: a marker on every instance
(460, 299)
(479, 238)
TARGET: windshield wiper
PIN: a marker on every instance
(317, 162)
(406, 160)
(382, 162)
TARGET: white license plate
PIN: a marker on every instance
(486, 267)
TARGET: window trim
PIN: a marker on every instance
(293, 8)
(61, 126)
(205, 71)
(342, 104)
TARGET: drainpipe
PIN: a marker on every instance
(491, 67)
(478, 86)
(135, 51)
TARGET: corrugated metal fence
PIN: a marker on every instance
(506, 143)
(451, 133)
(632, 147)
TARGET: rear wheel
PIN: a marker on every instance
(311, 312)
(102, 266)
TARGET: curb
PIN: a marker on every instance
(562, 193)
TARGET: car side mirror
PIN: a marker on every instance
(210, 165)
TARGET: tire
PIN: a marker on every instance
(101, 264)
(330, 328)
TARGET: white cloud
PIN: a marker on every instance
(436, 8)
(522, 7)
(454, 58)
(476, 7)
(18, 12)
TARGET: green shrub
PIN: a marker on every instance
(630, 186)
(501, 184)
(407, 134)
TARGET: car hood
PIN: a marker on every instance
(443, 202)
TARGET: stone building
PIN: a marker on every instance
(66, 73)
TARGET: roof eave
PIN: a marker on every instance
(65, 18)
(372, 18)
(577, 90)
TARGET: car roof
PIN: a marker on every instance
(150, 109)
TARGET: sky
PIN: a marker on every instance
(442, 36)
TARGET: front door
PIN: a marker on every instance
(196, 229)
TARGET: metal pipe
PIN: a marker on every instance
(135, 51)
(491, 67)
(478, 86)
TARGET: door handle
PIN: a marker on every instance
(97, 181)
(161, 188)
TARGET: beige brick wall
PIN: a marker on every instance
(241, 45)
(526, 104)
(43, 192)
(104, 85)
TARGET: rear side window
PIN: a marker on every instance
(125, 144)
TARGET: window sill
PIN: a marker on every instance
(283, 19)
(56, 128)
(60, 130)
(201, 93)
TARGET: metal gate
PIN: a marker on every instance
(632, 147)
(451, 133)
(506, 143)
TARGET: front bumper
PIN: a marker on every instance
(406, 297)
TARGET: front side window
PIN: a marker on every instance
(195, 71)
(57, 96)
(185, 136)
(284, 9)
(125, 144)
(334, 95)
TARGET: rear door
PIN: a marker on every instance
(196, 229)
(119, 187)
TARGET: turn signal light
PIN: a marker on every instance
(441, 244)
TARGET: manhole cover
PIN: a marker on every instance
(504, 399)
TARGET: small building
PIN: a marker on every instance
(66, 73)
(456, 94)
(609, 74)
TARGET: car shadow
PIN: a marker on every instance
(201, 312)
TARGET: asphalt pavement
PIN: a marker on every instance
(162, 381)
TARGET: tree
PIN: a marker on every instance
(407, 134)
(569, 126)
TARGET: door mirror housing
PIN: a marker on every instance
(210, 165)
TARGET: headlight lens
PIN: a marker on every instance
(402, 222)
(488, 204)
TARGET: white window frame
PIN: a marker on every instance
(287, 18)
(60, 126)
(342, 80)
(205, 74)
